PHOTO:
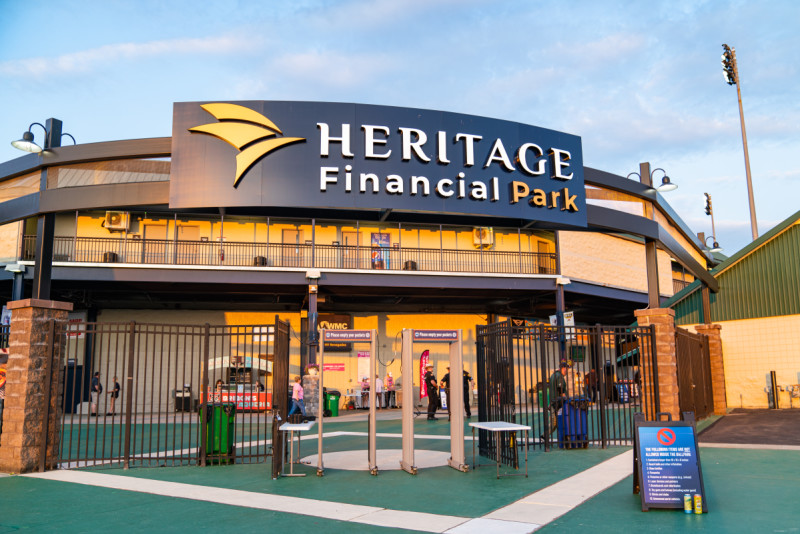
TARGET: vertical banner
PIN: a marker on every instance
(363, 365)
(380, 250)
(423, 361)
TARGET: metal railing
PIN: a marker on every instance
(152, 395)
(610, 375)
(678, 285)
(230, 253)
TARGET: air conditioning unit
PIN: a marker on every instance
(483, 236)
(117, 220)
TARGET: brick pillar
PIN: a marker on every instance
(29, 360)
(713, 331)
(667, 371)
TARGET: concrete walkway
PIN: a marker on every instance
(524, 516)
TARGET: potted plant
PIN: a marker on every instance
(312, 369)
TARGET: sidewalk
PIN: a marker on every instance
(747, 490)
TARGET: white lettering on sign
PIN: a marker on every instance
(529, 159)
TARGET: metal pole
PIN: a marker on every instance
(751, 200)
(129, 394)
(456, 403)
(373, 423)
(407, 404)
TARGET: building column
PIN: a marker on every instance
(714, 333)
(666, 359)
(33, 358)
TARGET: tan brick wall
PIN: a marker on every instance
(664, 321)
(751, 349)
(610, 260)
(717, 364)
(26, 408)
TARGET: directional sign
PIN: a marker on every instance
(436, 335)
(347, 335)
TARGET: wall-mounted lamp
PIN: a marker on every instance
(666, 183)
(714, 245)
(52, 137)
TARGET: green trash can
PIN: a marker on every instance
(332, 403)
(220, 420)
(544, 397)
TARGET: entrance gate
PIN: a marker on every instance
(170, 378)
(694, 373)
(456, 400)
(610, 376)
(351, 336)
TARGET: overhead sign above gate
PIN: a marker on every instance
(352, 156)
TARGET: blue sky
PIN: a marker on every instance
(638, 81)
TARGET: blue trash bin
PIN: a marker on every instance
(572, 424)
(623, 393)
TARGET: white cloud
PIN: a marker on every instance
(331, 69)
(87, 60)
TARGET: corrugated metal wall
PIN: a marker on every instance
(764, 283)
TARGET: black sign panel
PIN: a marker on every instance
(667, 464)
(329, 321)
(351, 156)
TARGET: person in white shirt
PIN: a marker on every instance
(378, 392)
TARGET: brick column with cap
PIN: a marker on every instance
(667, 372)
(31, 358)
(714, 333)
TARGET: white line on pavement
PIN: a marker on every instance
(524, 516)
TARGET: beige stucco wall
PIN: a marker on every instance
(751, 348)
(9, 241)
(611, 261)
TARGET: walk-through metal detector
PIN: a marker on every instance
(351, 336)
(456, 402)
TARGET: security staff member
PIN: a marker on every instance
(467, 392)
(433, 392)
(445, 382)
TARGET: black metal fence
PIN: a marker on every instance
(4, 333)
(178, 252)
(694, 373)
(154, 395)
(574, 386)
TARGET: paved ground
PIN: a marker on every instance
(747, 490)
(768, 427)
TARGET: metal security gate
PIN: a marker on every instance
(609, 376)
(694, 373)
(166, 395)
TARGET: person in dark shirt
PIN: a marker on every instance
(433, 392)
(115, 389)
(95, 390)
(467, 392)
(445, 382)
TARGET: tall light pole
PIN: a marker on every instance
(731, 71)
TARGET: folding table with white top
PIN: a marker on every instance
(497, 428)
(292, 428)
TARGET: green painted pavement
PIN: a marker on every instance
(439, 490)
(746, 491)
(43, 506)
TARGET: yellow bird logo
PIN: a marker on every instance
(250, 132)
